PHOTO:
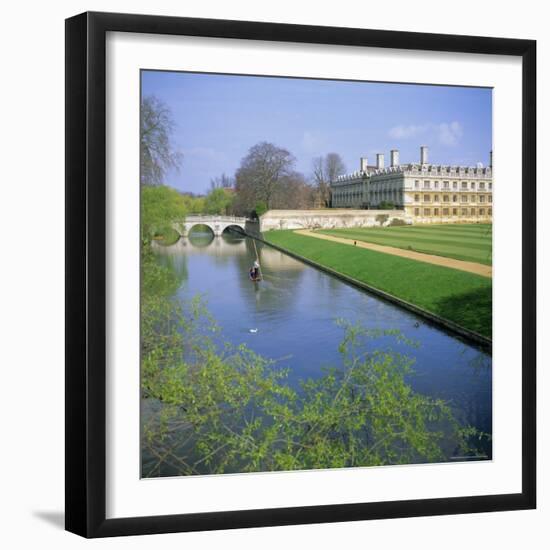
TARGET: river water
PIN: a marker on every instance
(290, 316)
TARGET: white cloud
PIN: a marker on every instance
(406, 132)
(450, 134)
(446, 133)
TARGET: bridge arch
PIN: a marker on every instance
(217, 224)
(233, 227)
(201, 224)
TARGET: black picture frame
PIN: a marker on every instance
(86, 274)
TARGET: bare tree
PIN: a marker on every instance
(321, 180)
(334, 166)
(325, 170)
(157, 153)
(222, 182)
(260, 175)
(294, 193)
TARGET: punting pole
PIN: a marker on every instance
(257, 259)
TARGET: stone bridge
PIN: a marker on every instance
(217, 224)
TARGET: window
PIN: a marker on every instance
(473, 185)
(417, 211)
(445, 185)
(473, 198)
(436, 198)
(481, 198)
(490, 211)
(455, 184)
(436, 211)
(464, 211)
(455, 211)
(482, 185)
(426, 198)
(482, 211)
(464, 198)
(464, 185)
(426, 211)
(445, 211)
(489, 198)
(445, 198)
(473, 211)
(455, 198)
(417, 198)
(426, 184)
(490, 185)
(436, 185)
(416, 184)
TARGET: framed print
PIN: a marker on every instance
(300, 274)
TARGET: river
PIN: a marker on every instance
(290, 316)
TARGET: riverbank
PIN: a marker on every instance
(460, 300)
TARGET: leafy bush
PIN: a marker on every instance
(160, 205)
(260, 209)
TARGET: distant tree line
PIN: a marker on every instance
(266, 178)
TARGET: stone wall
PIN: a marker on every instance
(329, 218)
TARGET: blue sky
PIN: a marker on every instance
(219, 117)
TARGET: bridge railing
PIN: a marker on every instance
(214, 218)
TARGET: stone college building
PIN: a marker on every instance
(430, 193)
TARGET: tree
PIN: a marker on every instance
(260, 175)
(157, 153)
(259, 209)
(326, 170)
(218, 201)
(194, 204)
(294, 193)
(160, 207)
(222, 182)
(334, 166)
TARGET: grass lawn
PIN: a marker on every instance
(461, 297)
(472, 243)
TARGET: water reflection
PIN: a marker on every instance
(290, 317)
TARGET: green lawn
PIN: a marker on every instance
(472, 243)
(461, 297)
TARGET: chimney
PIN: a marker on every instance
(394, 157)
(423, 154)
(364, 164)
(491, 159)
(379, 161)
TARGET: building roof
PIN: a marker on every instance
(440, 170)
